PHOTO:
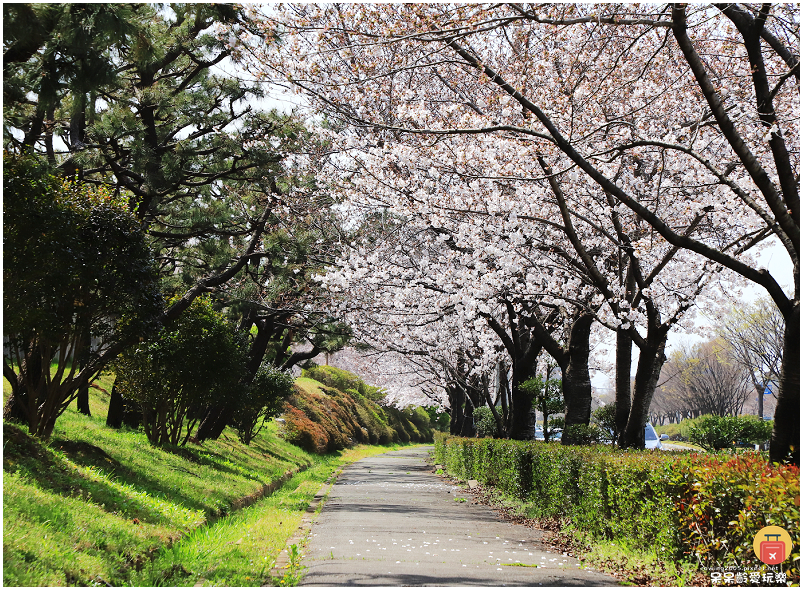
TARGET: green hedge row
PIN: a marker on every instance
(700, 507)
(322, 419)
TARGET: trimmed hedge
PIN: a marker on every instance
(343, 381)
(322, 419)
(703, 508)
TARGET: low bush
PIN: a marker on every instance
(344, 381)
(754, 430)
(701, 508)
(485, 424)
(749, 430)
(419, 418)
(192, 363)
(585, 434)
(320, 420)
(605, 418)
(721, 432)
(303, 432)
(261, 400)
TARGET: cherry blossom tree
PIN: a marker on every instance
(685, 119)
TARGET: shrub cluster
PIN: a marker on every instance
(260, 400)
(344, 381)
(485, 424)
(192, 363)
(720, 432)
(717, 432)
(704, 508)
(320, 418)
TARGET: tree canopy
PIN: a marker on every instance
(78, 279)
(143, 102)
(649, 146)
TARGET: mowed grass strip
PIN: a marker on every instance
(240, 549)
(94, 505)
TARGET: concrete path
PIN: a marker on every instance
(673, 447)
(390, 521)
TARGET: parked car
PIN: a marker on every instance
(554, 434)
(651, 438)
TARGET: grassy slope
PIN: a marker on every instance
(95, 505)
(240, 549)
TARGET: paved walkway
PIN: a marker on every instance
(390, 521)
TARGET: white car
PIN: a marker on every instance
(651, 438)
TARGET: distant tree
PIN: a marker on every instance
(705, 379)
(754, 336)
(193, 362)
(76, 268)
(670, 400)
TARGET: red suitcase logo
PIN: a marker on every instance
(772, 552)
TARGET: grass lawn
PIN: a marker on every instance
(101, 506)
(240, 549)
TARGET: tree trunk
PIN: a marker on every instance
(215, 418)
(623, 378)
(281, 353)
(456, 411)
(214, 422)
(522, 404)
(131, 414)
(116, 409)
(498, 418)
(648, 370)
(468, 425)
(545, 412)
(785, 441)
(82, 358)
(576, 382)
(13, 410)
(259, 346)
(83, 400)
(526, 367)
(48, 424)
(503, 383)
